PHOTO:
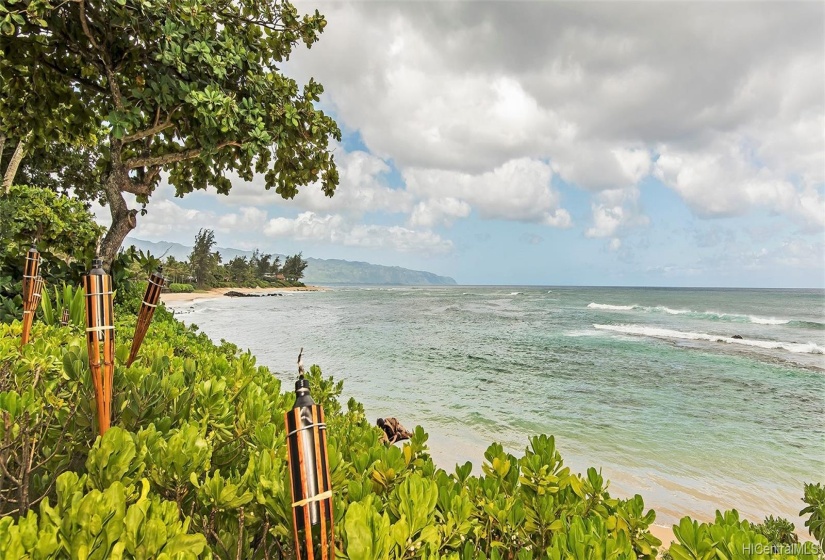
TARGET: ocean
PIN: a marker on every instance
(697, 399)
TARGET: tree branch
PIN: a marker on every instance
(165, 159)
(264, 24)
(145, 186)
(136, 188)
(81, 81)
(148, 132)
(107, 62)
(85, 25)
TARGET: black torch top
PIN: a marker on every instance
(302, 396)
(97, 267)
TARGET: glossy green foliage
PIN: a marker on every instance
(98, 524)
(65, 234)
(815, 510)
(777, 530)
(195, 465)
(58, 224)
(66, 297)
(731, 538)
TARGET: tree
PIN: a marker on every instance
(58, 223)
(62, 168)
(191, 89)
(202, 260)
(294, 267)
(238, 270)
(175, 270)
(264, 264)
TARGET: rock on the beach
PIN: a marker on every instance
(233, 293)
(737, 336)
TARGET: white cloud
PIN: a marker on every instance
(615, 212)
(517, 190)
(435, 211)
(248, 219)
(593, 88)
(335, 229)
(728, 180)
(165, 217)
(362, 188)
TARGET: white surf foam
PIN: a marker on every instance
(712, 315)
(611, 307)
(656, 332)
(768, 320)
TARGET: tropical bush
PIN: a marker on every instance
(181, 288)
(730, 538)
(67, 297)
(815, 509)
(777, 530)
(63, 230)
(195, 466)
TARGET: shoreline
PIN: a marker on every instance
(169, 297)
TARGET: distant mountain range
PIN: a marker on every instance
(319, 271)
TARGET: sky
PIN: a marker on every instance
(554, 143)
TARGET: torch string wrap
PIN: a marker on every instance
(307, 427)
(315, 498)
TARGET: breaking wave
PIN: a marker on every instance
(709, 315)
(612, 307)
(656, 332)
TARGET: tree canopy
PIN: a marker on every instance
(191, 89)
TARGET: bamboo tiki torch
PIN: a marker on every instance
(309, 475)
(100, 329)
(31, 272)
(30, 307)
(147, 310)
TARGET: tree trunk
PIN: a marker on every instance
(2, 145)
(123, 219)
(14, 163)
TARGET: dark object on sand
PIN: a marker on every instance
(233, 293)
(393, 430)
(737, 336)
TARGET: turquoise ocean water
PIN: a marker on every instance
(650, 385)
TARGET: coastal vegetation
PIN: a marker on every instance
(205, 268)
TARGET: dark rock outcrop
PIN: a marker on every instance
(233, 293)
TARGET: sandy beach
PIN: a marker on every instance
(216, 292)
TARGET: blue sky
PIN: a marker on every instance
(552, 143)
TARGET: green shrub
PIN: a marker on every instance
(778, 531)
(815, 499)
(729, 537)
(181, 288)
(67, 297)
